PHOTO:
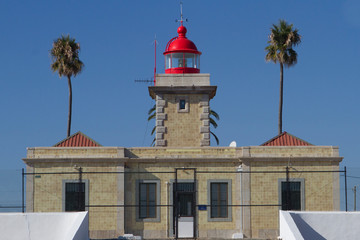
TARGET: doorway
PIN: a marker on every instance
(184, 214)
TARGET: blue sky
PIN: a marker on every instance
(321, 100)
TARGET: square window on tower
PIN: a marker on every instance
(182, 104)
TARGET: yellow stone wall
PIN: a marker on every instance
(185, 153)
(102, 191)
(202, 195)
(294, 151)
(183, 128)
(319, 190)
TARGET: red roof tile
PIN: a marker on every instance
(77, 140)
(286, 139)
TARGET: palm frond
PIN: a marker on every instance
(271, 54)
(153, 142)
(216, 138)
(152, 109)
(153, 130)
(291, 58)
(153, 116)
(215, 114)
(212, 122)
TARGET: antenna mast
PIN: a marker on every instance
(155, 42)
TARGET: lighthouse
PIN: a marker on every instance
(182, 96)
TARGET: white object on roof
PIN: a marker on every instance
(44, 226)
(238, 236)
(232, 144)
(319, 225)
(129, 236)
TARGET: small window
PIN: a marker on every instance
(147, 197)
(147, 200)
(182, 104)
(219, 200)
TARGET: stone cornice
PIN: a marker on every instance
(210, 90)
(292, 159)
(186, 154)
(74, 160)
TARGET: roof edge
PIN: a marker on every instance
(78, 132)
(283, 133)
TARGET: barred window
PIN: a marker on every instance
(74, 195)
(291, 194)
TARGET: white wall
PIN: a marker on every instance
(44, 226)
(319, 225)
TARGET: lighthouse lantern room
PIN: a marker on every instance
(181, 54)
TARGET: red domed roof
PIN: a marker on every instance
(181, 43)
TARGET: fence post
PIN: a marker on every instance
(80, 207)
(346, 207)
(354, 190)
(288, 192)
(22, 190)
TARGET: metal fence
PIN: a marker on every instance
(12, 187)
(181, 185)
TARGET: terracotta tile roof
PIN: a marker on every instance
(77, 140)
(286, 139)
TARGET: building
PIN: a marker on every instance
(182, 187)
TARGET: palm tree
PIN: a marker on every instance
(152, 115)
(282, 39)
(65, 60)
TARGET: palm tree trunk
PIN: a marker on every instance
(281, 96)
(70, 106)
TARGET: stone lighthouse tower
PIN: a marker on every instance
(182, 96)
